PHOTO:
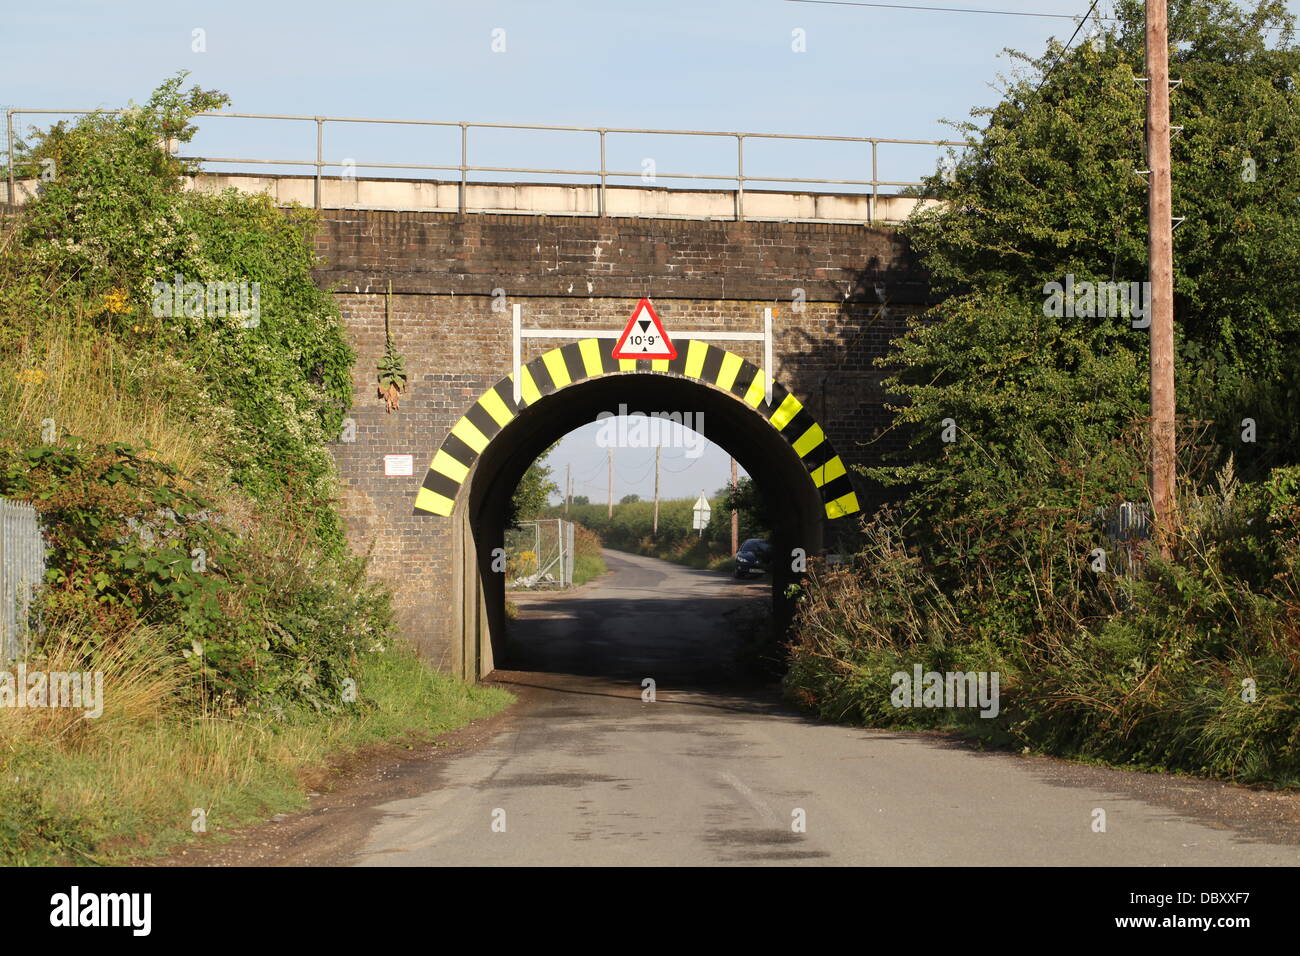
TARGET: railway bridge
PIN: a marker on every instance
(504, 323)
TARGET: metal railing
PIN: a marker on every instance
(22, 568)
(602, 173)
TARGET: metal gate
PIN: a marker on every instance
(539, 554)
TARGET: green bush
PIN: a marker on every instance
(630, 529)
(196, 560)
(112, 232)
(588, 562)
(241, 557)
(1023, 425)
(259, 617)
(1190, 664)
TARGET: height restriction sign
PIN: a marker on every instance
(644, 337)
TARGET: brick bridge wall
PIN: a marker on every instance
(577, 272)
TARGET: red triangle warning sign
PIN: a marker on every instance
(644, 337)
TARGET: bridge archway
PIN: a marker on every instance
(474, 473)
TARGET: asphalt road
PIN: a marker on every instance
(718, 771)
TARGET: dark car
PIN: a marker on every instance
(754, 557)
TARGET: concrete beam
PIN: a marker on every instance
(553, 199)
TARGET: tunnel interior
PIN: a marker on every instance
(794, 505)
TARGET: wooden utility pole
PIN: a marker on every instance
(1164, 500)
(655, 528)
(735, 515)
(568, 488)
(609, 495)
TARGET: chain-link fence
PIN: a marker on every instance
(22, 567)
(539, 554)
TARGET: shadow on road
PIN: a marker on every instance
(645, 619)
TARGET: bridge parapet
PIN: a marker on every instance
(852, 197)
(552, 199)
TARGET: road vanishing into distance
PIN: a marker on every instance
(718, 770)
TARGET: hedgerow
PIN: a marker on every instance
(224, 537)
(1023, 425)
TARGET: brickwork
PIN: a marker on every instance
(576, 273)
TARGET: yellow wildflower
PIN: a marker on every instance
(117, 302)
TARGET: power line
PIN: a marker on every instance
(998, 13)
(908, 6)
(1068, 43)
(642, 477)
(678, 471)
(585, 476)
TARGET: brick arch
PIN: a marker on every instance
(591, 358)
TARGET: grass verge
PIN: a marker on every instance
(588, 562)
(127, 784)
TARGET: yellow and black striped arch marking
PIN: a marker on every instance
(591, 358)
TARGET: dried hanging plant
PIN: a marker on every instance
(392, 368)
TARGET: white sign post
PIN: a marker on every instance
(701, 514)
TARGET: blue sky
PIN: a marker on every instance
(673, 64)
(720, 65)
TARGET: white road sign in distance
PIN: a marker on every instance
(701, 513)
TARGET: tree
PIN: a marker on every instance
(1025, 418)
(581, 500)
(995, 387)
(215, 286)
(111, 212)
(748, 501)
(533, 491)
(629, 499)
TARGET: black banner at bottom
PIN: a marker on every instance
(227, 906)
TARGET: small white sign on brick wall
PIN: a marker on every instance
(399, 465)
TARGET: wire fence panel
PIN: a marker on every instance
(539, 554)
(1126, 526)
(22, 568)
(568, 554)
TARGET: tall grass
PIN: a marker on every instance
(127, 785)
(78, 379)
(141, 682)
(1192, 664)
